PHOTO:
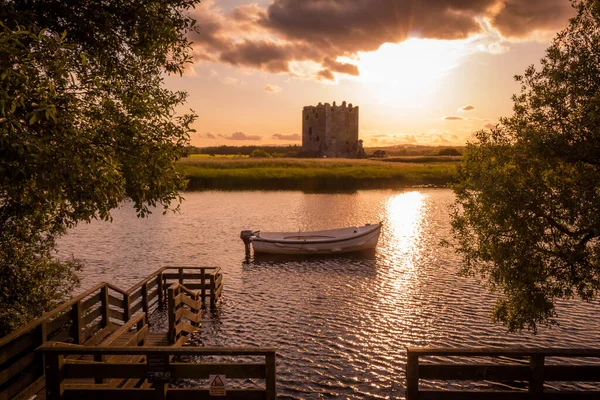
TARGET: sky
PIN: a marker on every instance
(423, 72)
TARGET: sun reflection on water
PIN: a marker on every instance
(406, 216)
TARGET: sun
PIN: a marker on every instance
(410, 68)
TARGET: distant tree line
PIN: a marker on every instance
(296, 151)
(288, 151)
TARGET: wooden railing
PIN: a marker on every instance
(83, 319)
(157, 368)
(523, 367)
(184, 313)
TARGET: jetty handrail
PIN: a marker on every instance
(159, 366)
(48, 315)
(82, 319)
(518, 364)
(183, 304)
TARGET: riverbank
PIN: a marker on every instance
(314, 175)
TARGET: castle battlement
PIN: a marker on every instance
(331, 130)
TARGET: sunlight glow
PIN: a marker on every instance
(405, 219)
(412, 67)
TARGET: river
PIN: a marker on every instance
(340, 324)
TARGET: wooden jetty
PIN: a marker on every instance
(98, 345)
(527, 369)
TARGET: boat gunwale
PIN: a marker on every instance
(376, 227)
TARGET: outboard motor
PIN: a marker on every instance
(245, 235)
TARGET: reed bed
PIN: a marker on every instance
(311, 174)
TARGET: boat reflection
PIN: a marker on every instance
(259, 259)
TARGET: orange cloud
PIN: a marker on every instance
(322, 32)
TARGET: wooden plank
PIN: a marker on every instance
(60, 321)
(581, 373)
(94, 393)
(194, 304)
(101, 335)
(63, 336)
(92, 330)
(149, 394)
(66, 349)
(152, 283)
(104, 370)
(187, 314)
(504, 352)
(152, 295)
(89, 303)
(92, 316)
(572, 395)
(123, 329)
(116, 314)
(12, 349)
(32, 389)
(133, 296)
(184, 327)
(16, 367)
(178, 370)
(34, 324)
(29, 383)
(135, 308)
(471, 395)
(474, 372)
(139, 337)
(114, 301)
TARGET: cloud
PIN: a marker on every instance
(272, 89)
(468, 107)
(518, 18)
(489, 126)
(240, 136)
(229, 80)
(207, 135)
(285, 32)
(453, 118)
(293, 136)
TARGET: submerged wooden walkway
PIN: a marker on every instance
(98, 345)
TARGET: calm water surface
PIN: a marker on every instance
(340, 324)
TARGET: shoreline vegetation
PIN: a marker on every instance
(315, 175)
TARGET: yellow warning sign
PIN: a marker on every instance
(217, 385)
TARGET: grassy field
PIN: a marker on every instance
(313, 175)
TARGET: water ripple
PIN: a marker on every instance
(340, 324)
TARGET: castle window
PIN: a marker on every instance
(310, 131)
(318, 139)
(307, 117)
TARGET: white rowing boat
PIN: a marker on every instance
(333, 241)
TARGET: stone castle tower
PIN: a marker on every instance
(331, 131)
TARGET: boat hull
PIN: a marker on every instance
(319, 242)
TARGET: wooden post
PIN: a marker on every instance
(78, 323)
(54, 381)
(203, 285)
(271, 376)
(100, 358)
(412, 376)
(171, 312)
(145, 297)
(536, 383)
(161, 295)
(160, 389)
(181, 275)
(127, 307)
(105, 305)
(213, 292)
